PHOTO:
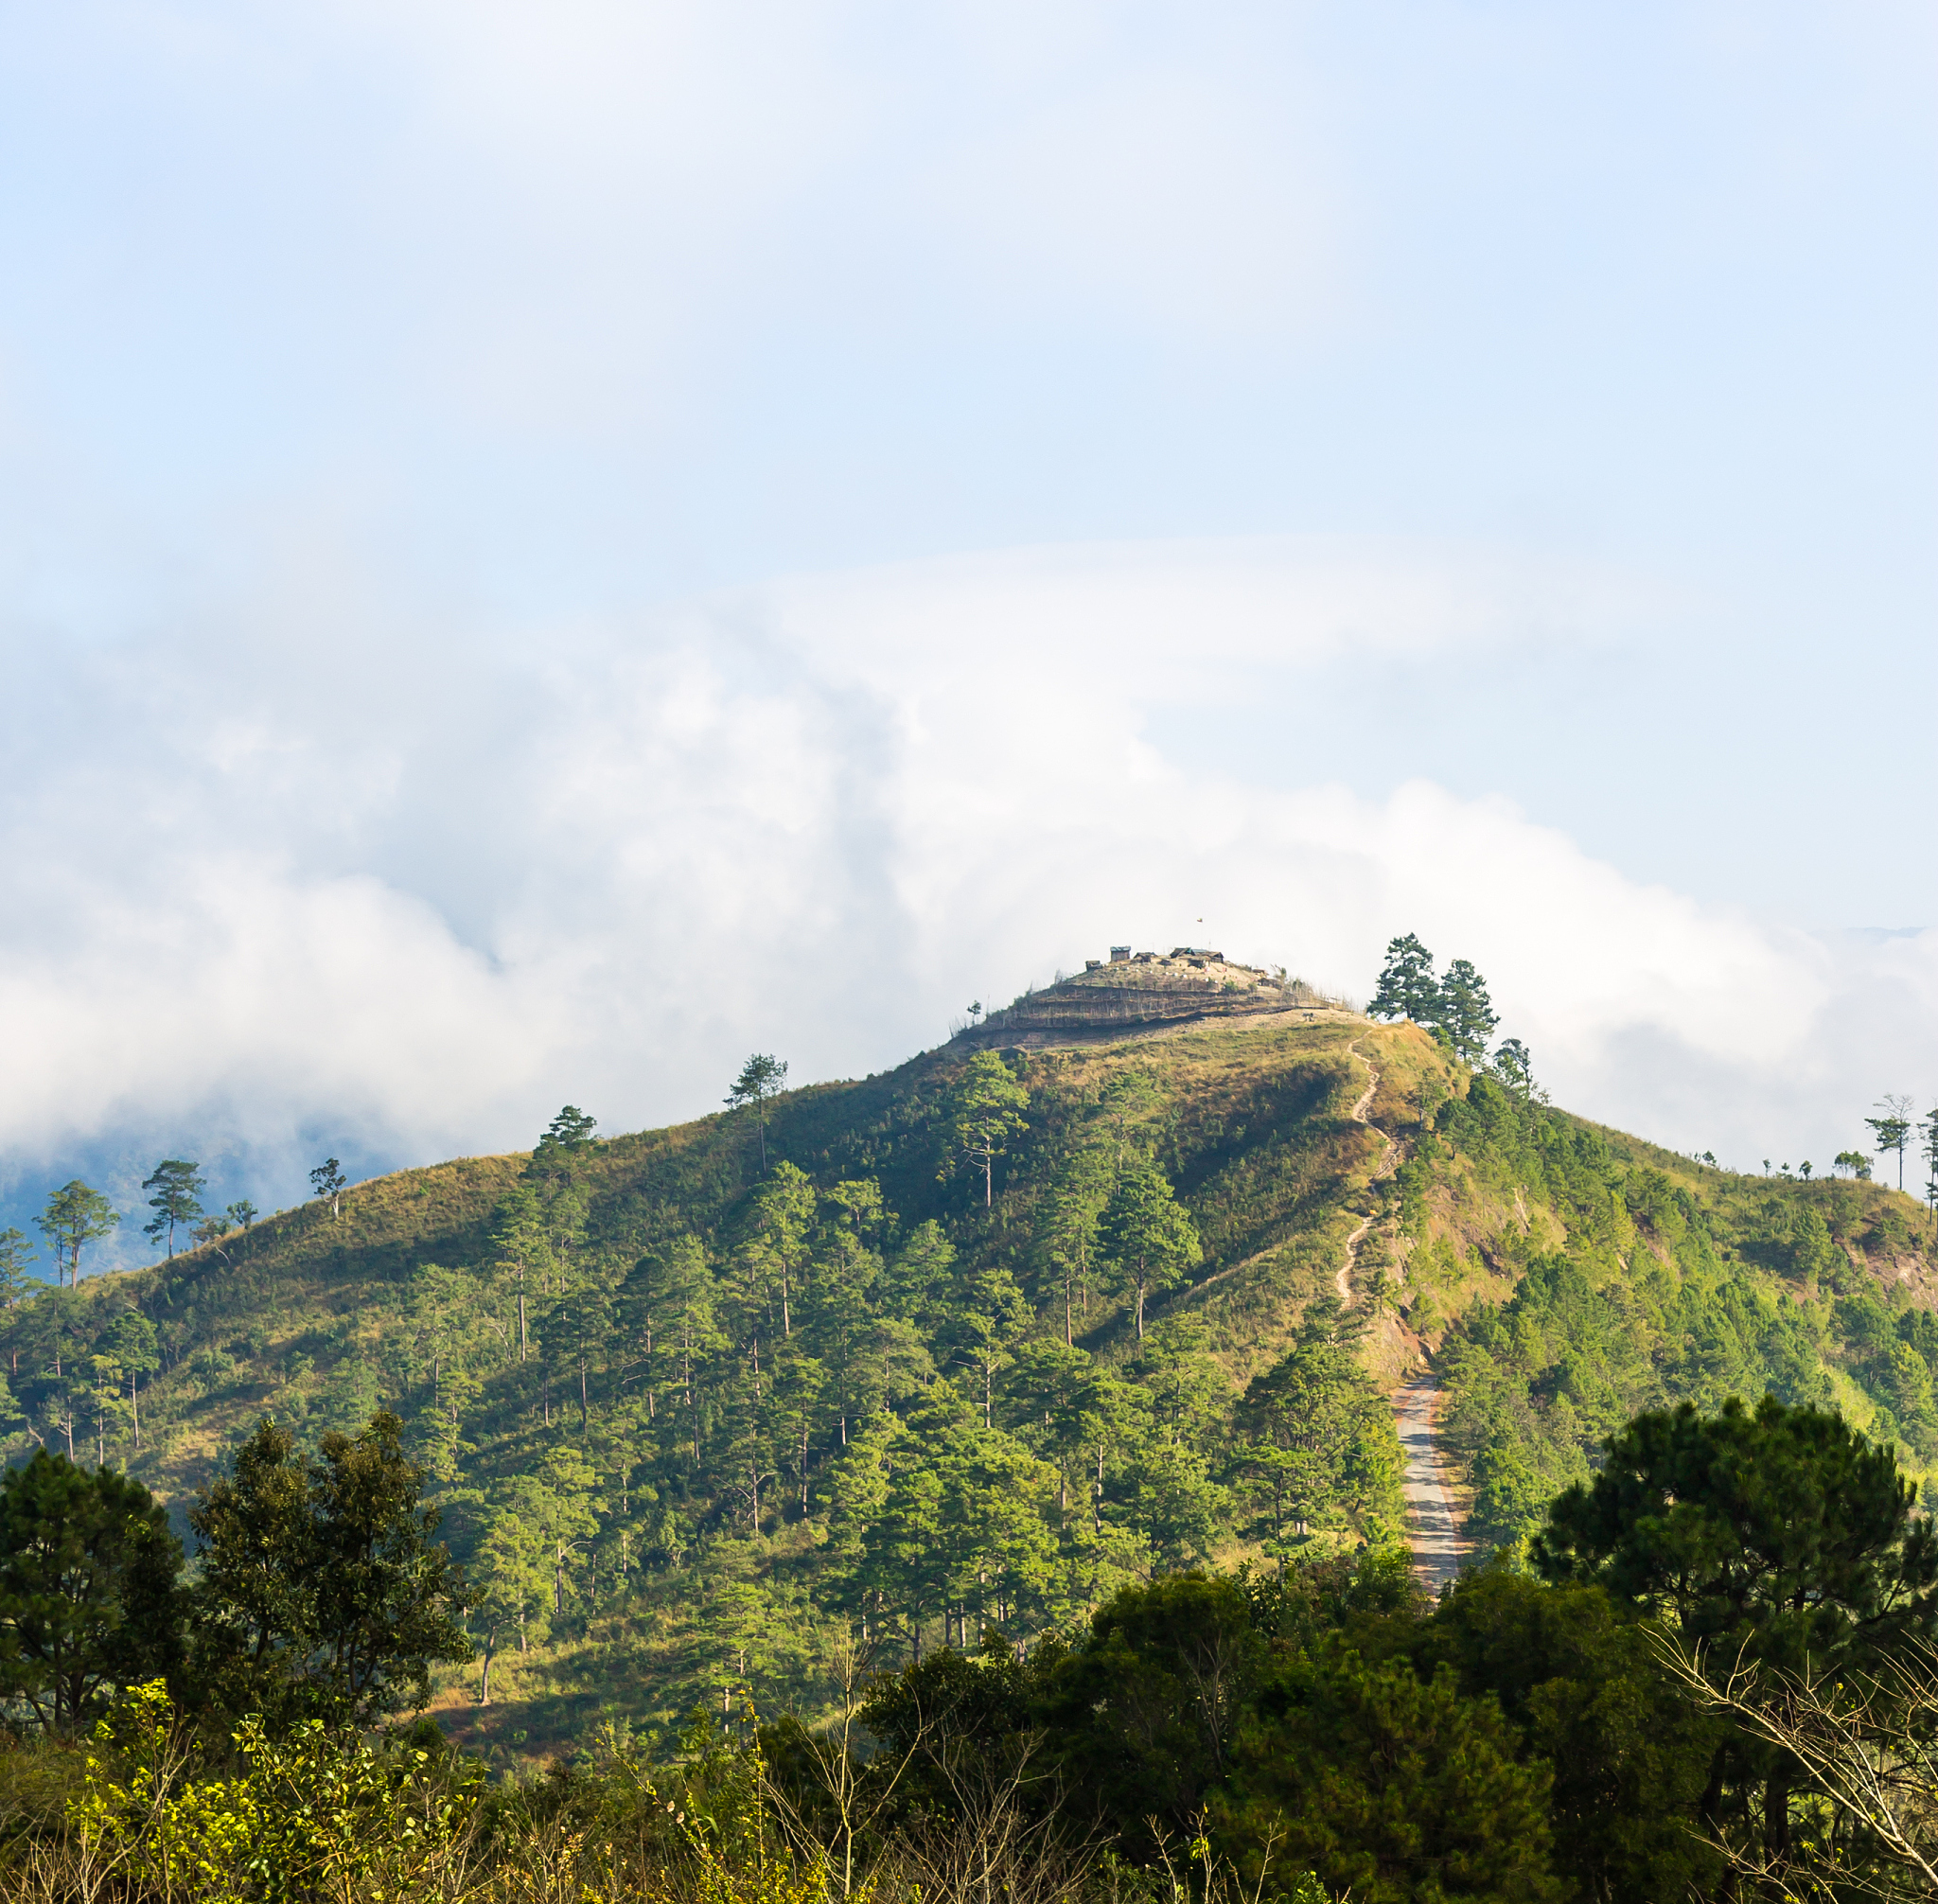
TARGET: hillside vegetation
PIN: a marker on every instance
(693, 1417)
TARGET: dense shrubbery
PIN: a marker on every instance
(1317, 1732)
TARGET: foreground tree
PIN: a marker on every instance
(73, 1217)
(321, 1592)
(1869, 1745)
(1779, 1541)
(1392, 1788)
(89, 1593)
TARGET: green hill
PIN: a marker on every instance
(751, 1410)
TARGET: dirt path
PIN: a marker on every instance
(1433, 1530)
(1388, 1164)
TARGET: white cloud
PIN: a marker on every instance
(430, 889)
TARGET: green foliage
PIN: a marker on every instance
(1407, 988)
(985, 1111)
(1584, 1687)
(1780, 1531)
(1318, 1447)
(75, 1217)
(691, 1422)
(1467, 1017)
(327, 1184)
(1391, 1787)
(1778, 1539)
(14, 1258)
(1152, 1240)
(761, 1078)
(177, 1185)
(89, 1597)
(320, 1594)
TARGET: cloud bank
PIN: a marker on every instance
(401, 894)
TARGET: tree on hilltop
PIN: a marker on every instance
(1466, 1015)
(1893, 1130)
(1407, 988)
(568, 1140)
(761, 1078)
(178, 1185)
(75, 1216)
(1513, 1064)
(326, 1182)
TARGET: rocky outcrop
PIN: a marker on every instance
(1114, 996)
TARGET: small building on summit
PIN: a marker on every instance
(1142, 990)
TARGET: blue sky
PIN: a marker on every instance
(542, 549)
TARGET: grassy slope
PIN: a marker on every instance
(307, 1317)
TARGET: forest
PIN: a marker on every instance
(973, 1363)
(974, 1344)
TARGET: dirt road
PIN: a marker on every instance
(1433, 1531)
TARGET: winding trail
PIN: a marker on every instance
(1433, 1530)
(1388, 1164)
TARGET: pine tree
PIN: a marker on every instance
(177, 1185)
(1149, 1235)
(75, 1216)
(1407, 988)
(1465, 1015)
(985, 1111)
(762, 1078)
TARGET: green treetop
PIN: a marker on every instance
(1407, 988)
(177, 1185)
(75, 1216)
(762, 1078)
(1892, 1129)
(14, 1258)
(1148, 1234)
(1467, 1018)
(985, 1111)
(566, 1141)
(88, 1593)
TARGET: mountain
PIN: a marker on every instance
(697, 1401)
